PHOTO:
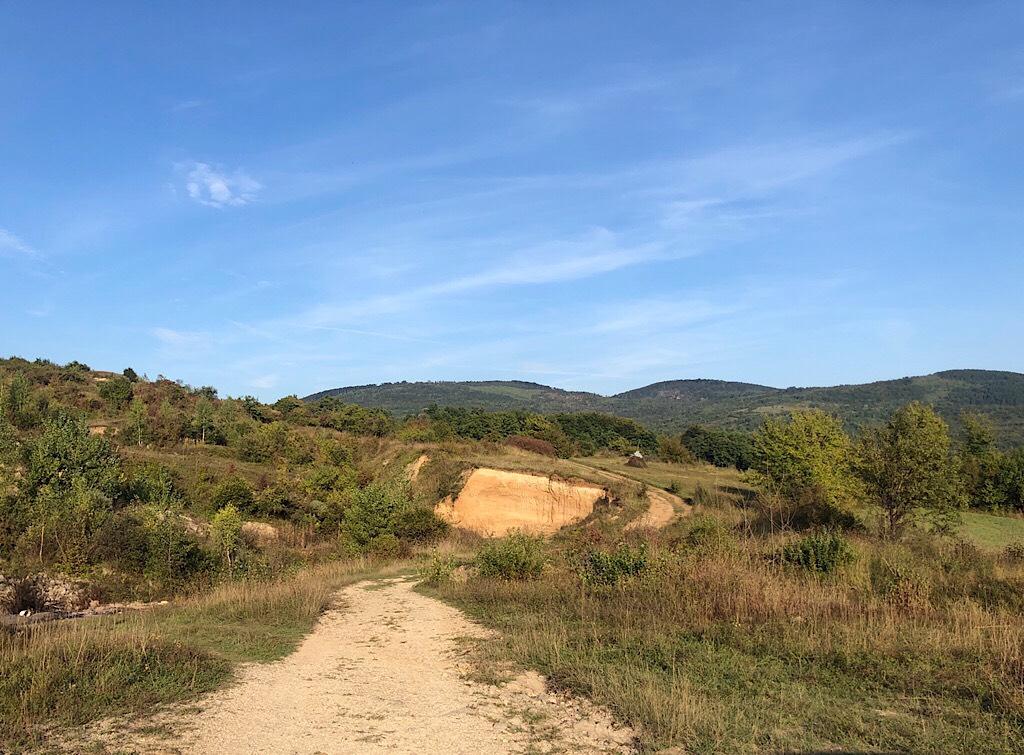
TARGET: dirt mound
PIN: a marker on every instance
(494, 502)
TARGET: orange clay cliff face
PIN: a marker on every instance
(494, 502)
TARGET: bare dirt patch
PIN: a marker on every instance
(661, 512)
(413, 470)
(385, 673)
(494, 502)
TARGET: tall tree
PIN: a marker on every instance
(807, 455)
(138, 416)
(909, 470)
(203, 419)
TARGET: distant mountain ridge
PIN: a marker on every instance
(673, 405)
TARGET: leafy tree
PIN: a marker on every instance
(1010, 479)
(723, 448)
(672, 449)
(69, 484)
(908, 469)
(15, 399)
(226, 535)
(203, 418)
(131, 374)
(73, 518)
(233, 492)
(138, 419)
(980, 460)
(807, 455)
(374, 511)
(207, 391)
(66, 452)
(978, 435)
(117, 392)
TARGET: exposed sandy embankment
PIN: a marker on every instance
(493, 502)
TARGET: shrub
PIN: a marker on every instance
(823, 552)
(517, 556)
(672, 449)
(673, 487)
(226, 535)
(440, 569)
(1013, 553)
(534, 445)
(234, 492)
(374, 511)
(900, 584)
(117, 392)
(706, 533)
(604, 568)
(387, 546)
(419, 524)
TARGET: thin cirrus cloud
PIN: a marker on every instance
(594, 253)
(13, 246)
(214, 187)
(182, 340)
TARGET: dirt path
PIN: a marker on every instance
(383, 673)
(664, 506)
(661, 511)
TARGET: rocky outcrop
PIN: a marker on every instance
(10, 595)
(56, 593)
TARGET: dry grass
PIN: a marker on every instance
(717, 649)
(686, 477)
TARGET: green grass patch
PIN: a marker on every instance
(991, 531)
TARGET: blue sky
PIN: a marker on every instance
(284, 197)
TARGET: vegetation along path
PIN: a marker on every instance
(384, 672)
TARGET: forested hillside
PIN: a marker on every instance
(673, 406)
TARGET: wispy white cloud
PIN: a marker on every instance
(264, 381)
(214, 187)
(183, 105)
(594, 253)
(659, 315)
(12, 246)
(183, 340)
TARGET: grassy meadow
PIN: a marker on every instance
(714, 646)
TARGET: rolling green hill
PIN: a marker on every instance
(672, 406)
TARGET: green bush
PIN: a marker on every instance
(608, 568)
(823, 552)
(387, 546)
(234, 492)
(117, 392)
(440, 569)
(517, 556)
(901, 584)
(419, 524)
(706, 533)
(374, 511)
